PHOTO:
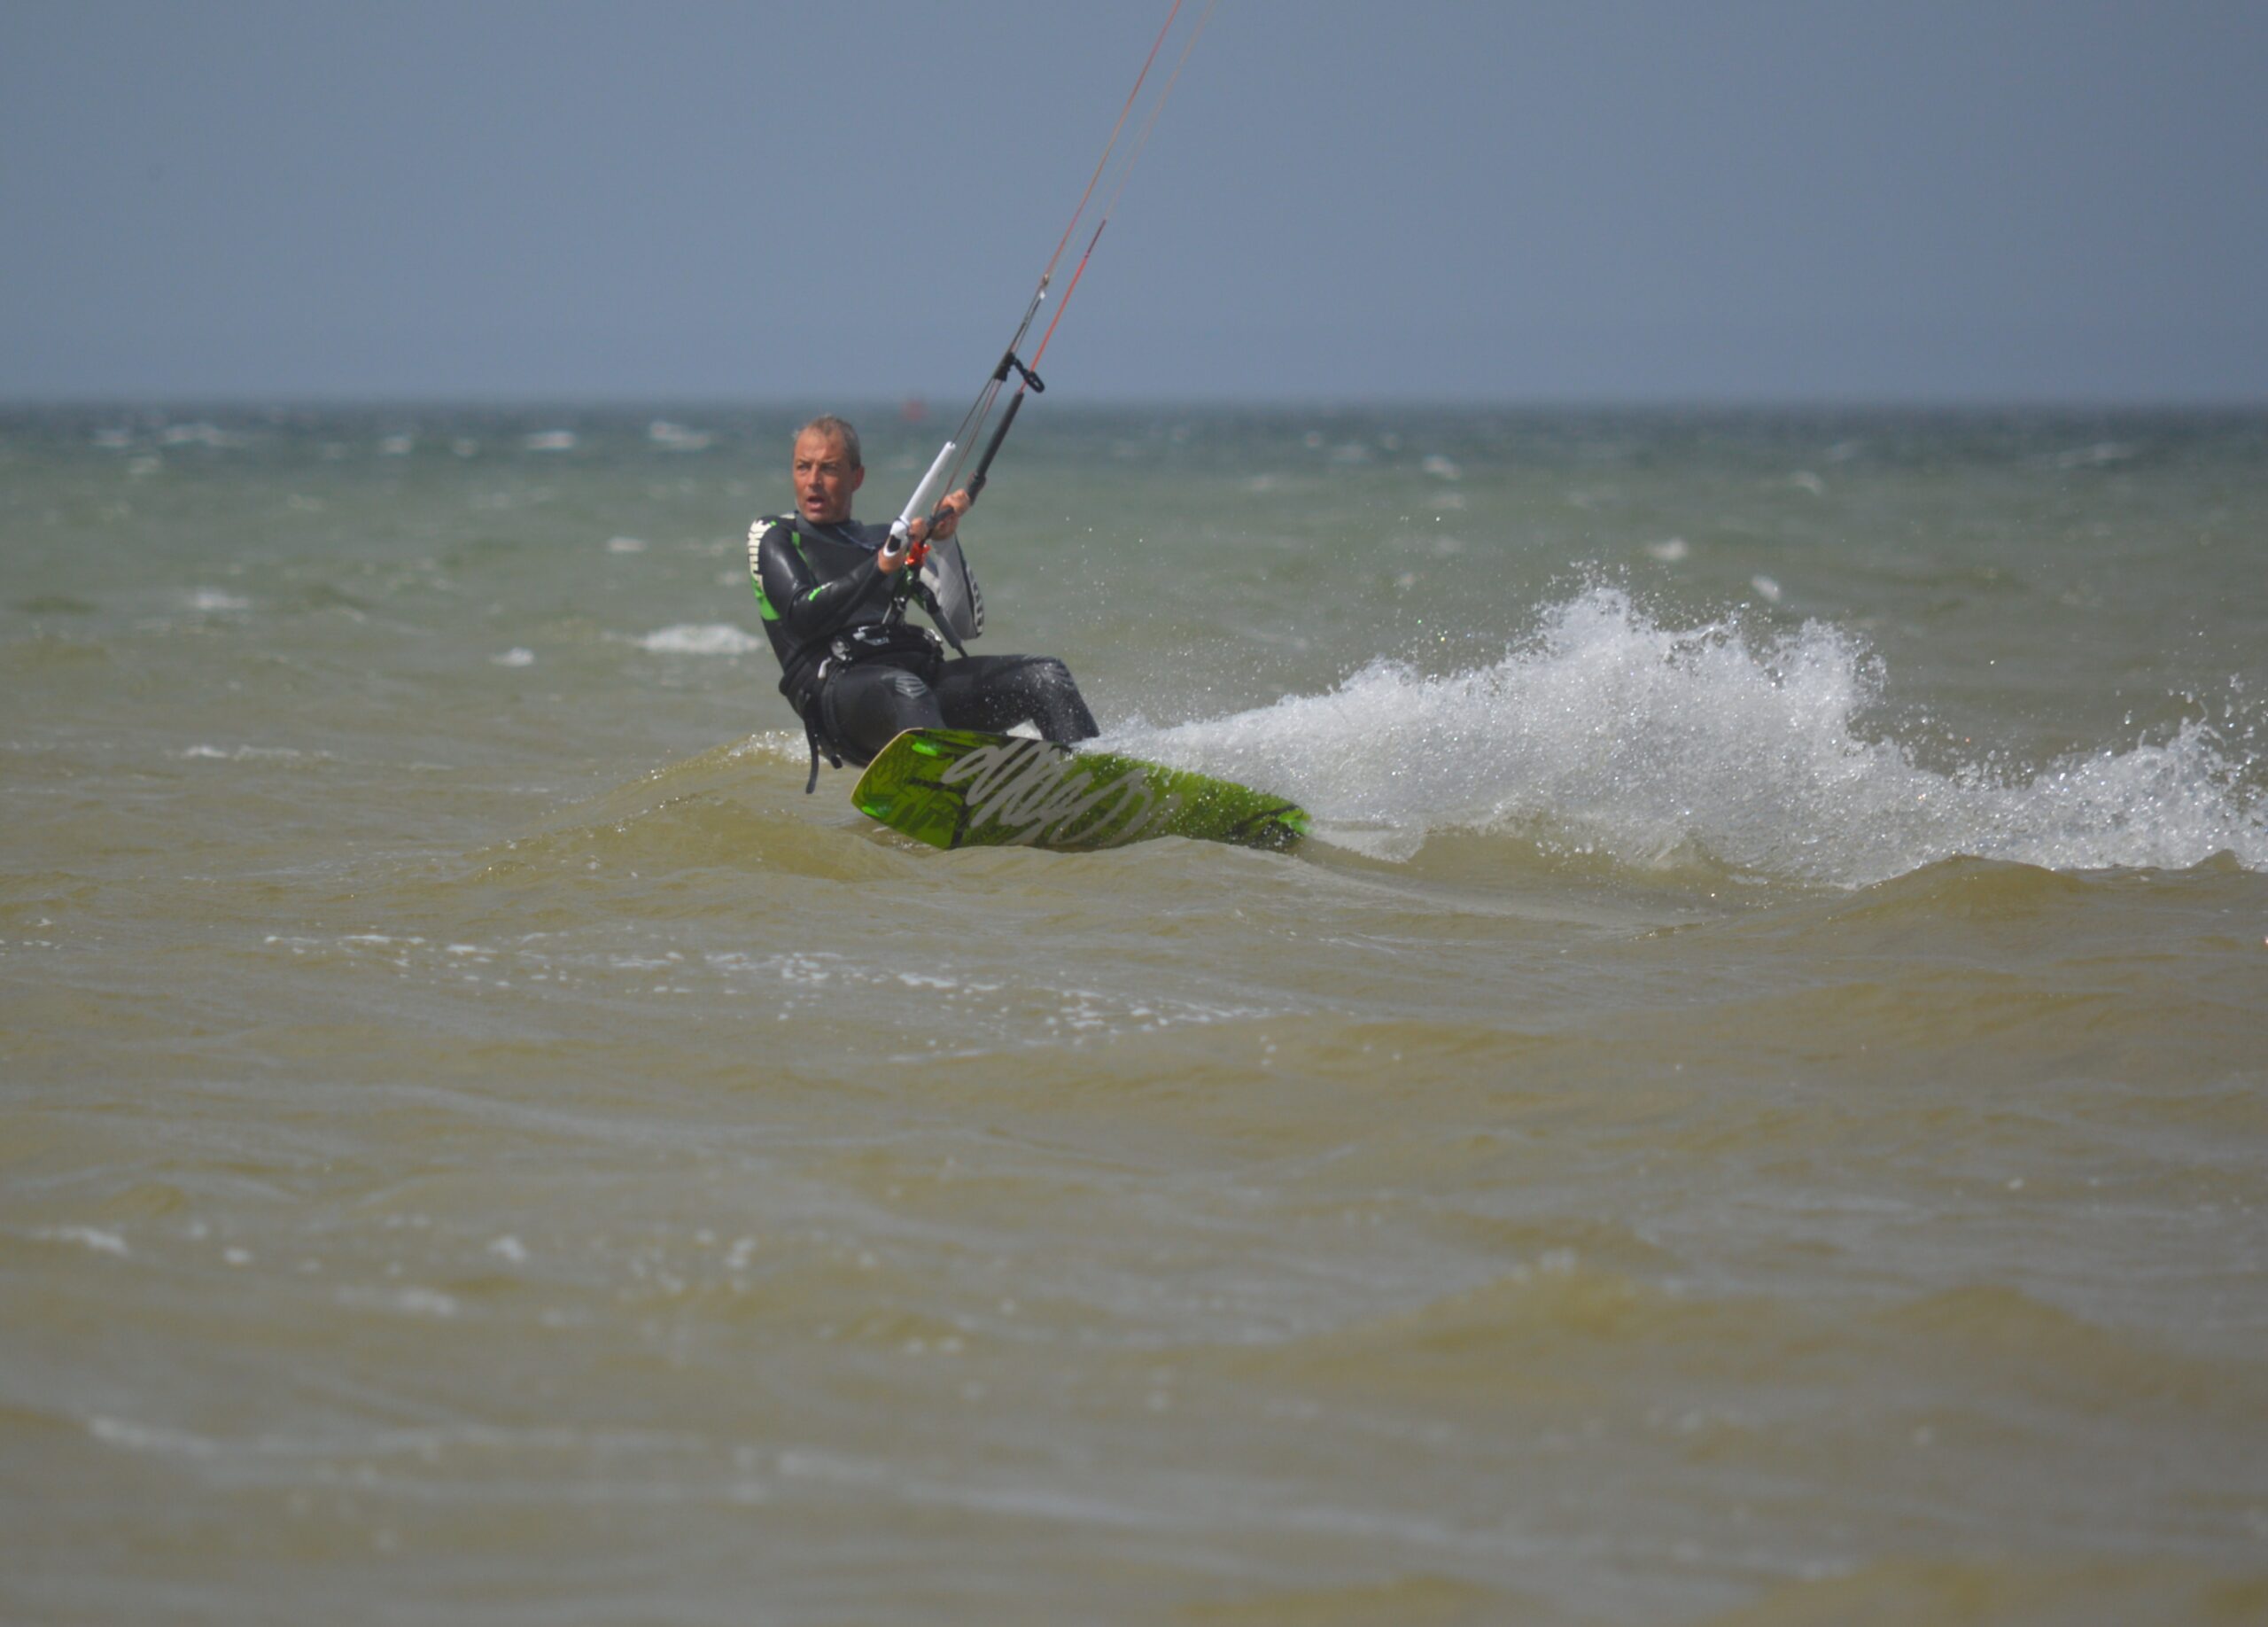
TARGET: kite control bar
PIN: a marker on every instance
(899, 531)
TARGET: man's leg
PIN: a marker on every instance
(865, 708)
(998, 692)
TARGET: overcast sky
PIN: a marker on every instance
(1643, 200)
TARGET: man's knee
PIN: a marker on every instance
(1061, 710)
(904, 687)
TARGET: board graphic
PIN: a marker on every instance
(963, 788)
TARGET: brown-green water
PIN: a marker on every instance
(1755, 1111)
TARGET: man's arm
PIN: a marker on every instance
(791, 594)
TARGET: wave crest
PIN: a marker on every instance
(1606, 732)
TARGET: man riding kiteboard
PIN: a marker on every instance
(834, 592)
(857, 672)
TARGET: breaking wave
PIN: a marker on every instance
(711, 639)
(1606, 732)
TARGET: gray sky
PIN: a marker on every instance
(1631, 200)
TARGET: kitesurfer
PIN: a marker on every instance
(856, 674)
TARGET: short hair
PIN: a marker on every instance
(835, 429)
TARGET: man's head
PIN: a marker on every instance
(826, 470)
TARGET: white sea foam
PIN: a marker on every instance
(213, 600)
(711, 639)
(133, 1436)
(85, 1236)
(677, 437)
(1606, 732)
(241, 754)
(550, 440)
(788, 748)
(197, 435)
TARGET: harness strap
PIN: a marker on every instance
(810, 733)
(810, 707)
(945, 625)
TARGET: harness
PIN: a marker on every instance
(916, 649)
(889, 642)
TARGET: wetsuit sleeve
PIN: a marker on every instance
(788, 592)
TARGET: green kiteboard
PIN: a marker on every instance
(962, 788)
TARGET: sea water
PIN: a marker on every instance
(1754, 1106)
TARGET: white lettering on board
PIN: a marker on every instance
(1032, 789)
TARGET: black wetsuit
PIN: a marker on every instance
(855, 680)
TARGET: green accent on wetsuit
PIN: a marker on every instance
(755, 580)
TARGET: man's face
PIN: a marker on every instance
(824, 478)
